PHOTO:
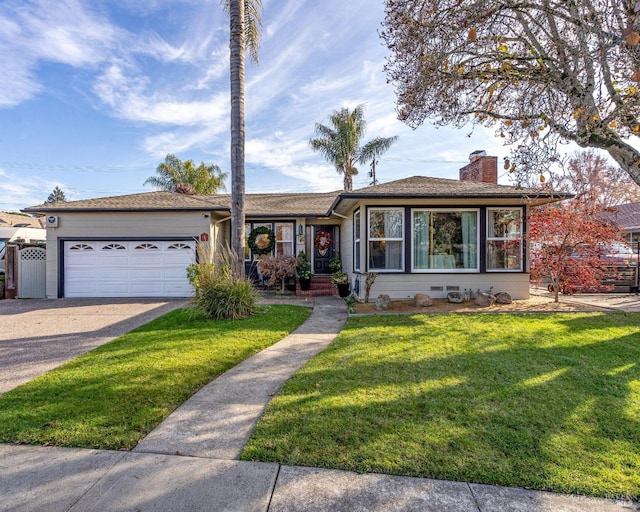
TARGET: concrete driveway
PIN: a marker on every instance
(37, 335)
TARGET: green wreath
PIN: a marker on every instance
(261, 240)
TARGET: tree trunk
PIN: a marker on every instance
(236, 60)
(626, 156)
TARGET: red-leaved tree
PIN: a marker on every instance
(567, 244)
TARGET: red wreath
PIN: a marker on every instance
(323, 240)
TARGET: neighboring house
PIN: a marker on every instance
(419, 234)
(20, 221)
(627, 218)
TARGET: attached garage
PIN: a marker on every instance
(127, 268)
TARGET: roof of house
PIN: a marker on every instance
(19, 220)
(627, 216)
(302, 205)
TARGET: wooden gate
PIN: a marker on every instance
(32, 278)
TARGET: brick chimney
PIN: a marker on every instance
(481, 168)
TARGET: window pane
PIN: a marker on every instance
(421, 234)
(445, 240)
(504, 254)
(284, 248)
(385, 255)
(247, 232)
(356, 224)
(504, 224)
(284, 232)
(356, 248)
(385, 224)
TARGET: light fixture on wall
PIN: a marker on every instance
(300, 229)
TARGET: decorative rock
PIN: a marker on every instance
(422, 300)
(485, 300)
(503, 298)
(383, 302)
(456, 297)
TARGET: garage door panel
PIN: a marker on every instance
(128, 269)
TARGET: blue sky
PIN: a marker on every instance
(94, 95)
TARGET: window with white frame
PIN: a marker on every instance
(445, 240)
(386, 239)
(356, 240)
(284, 238)
(504, 239)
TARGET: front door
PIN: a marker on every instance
(324, 248)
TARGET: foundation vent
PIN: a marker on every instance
(436, 289)
(453, 288)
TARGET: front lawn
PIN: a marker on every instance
(116, 394)
(537, 401)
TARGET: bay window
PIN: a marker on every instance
(445, 239)
(386, 239)
(504, 239)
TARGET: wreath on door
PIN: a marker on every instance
(323, 241)
(261, 240)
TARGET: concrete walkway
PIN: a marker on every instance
(190, 462)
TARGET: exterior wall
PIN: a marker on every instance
(405, 286)
(118, 225)
(346, 248)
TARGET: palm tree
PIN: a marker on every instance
(340, 142)
(244, 33)
(186, 178)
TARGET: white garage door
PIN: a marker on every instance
(128, 269)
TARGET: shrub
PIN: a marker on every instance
(277, 269)
(218, 293)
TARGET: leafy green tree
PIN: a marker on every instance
(184, 177)
(340, 142)
(541, 73)
(244, 33)
(57, 196)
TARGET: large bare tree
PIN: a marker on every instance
(540, 72)
(244, 24)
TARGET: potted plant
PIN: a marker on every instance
(339, 278)
(304, 271)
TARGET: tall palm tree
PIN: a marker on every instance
(244, 33)
(340, 143)
(185, 177)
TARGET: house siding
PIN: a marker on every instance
(117, 225)
(405, 286)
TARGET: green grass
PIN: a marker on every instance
(114, 395)
(537, 401)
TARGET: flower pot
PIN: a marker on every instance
(343, 289)
(305, 283)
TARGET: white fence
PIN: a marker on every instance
(32, 273)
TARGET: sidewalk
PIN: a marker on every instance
(625, 302)
(190, 462)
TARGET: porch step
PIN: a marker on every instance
(320, 287)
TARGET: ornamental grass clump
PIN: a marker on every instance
(218, 293)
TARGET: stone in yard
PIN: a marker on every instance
(422, 300)
(383, 302)
(503, 298)
(485, 300)
(455, 297)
